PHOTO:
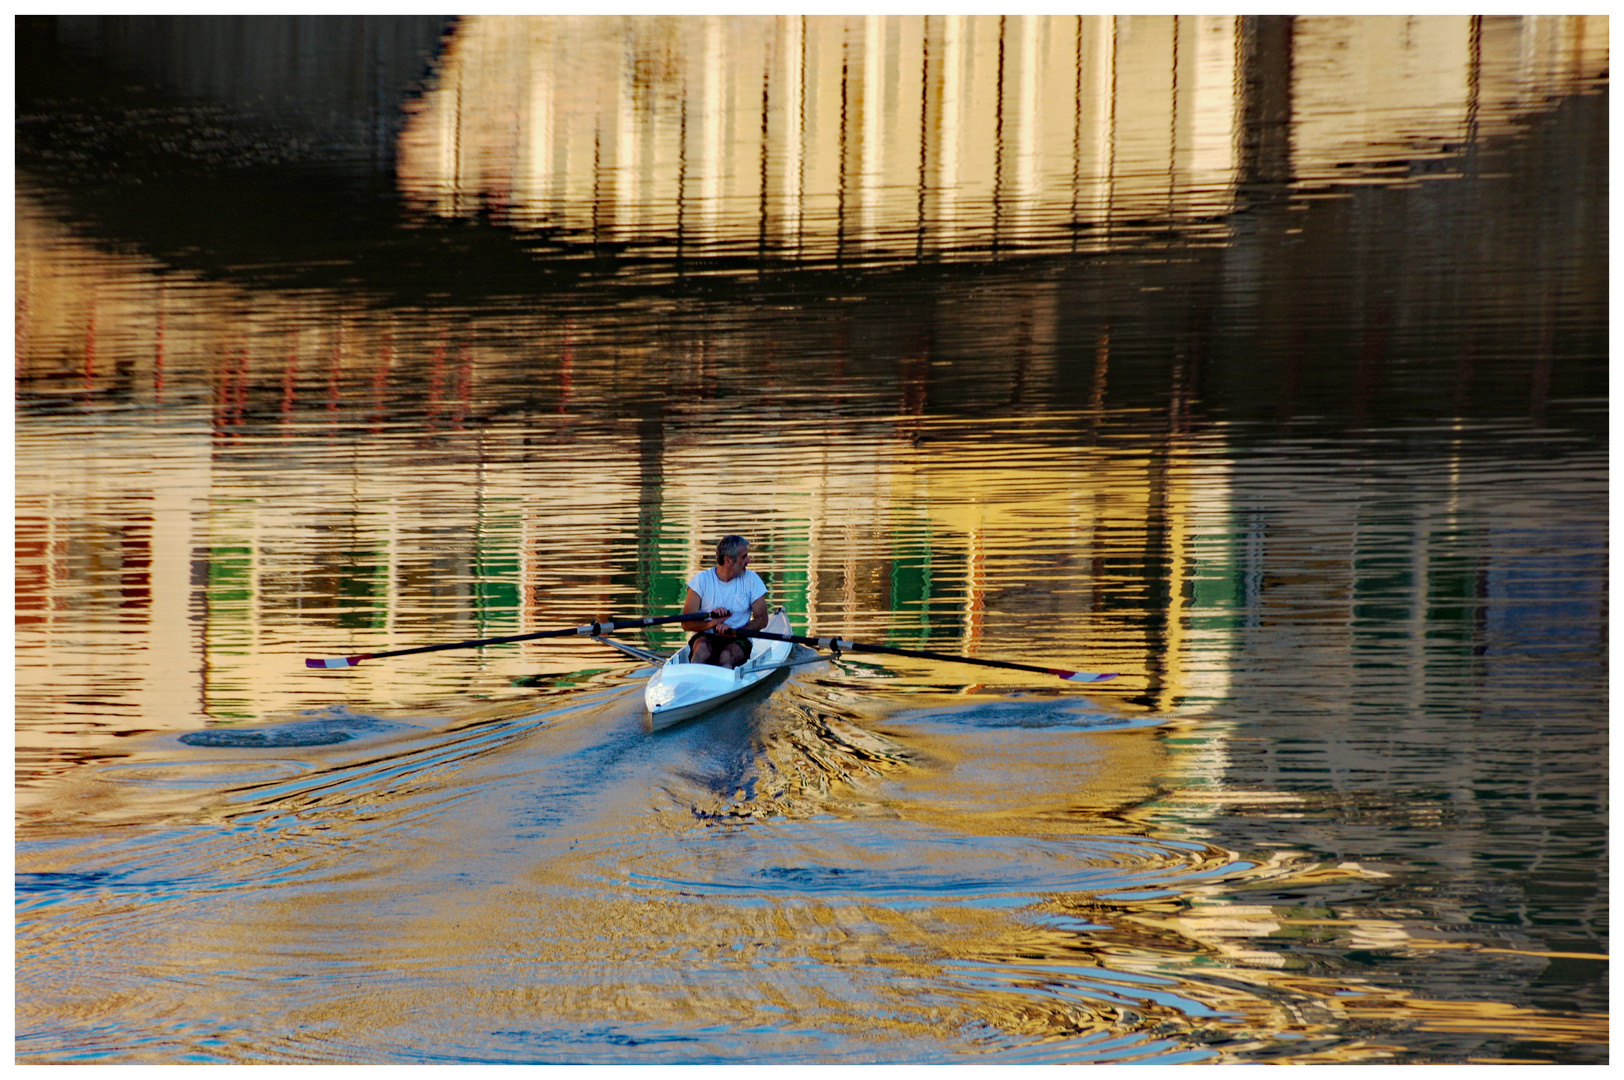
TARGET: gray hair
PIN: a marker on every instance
(729, 546)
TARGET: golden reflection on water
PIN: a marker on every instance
(192, 563)
(878, 139)
(900, 860)
(669, 937)
(175, 567)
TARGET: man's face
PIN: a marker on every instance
(736, 565)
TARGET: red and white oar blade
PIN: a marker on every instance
(1082, 676)
(338, 661)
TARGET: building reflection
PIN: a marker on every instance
(577, 462)
(856, 140)
(281, 499)
(871, 140)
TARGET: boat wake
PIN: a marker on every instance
(807, 759)
(787, 875)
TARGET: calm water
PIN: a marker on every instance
(1263, 362)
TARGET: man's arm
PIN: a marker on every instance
(702, 620)
(758, 615)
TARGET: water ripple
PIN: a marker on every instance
(901, 862)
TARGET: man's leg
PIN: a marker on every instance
(732, 656)
(700, 649)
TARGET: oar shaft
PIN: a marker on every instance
(607, 626)
(844, 645)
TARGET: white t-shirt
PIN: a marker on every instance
(736, 595)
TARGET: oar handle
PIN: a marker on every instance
(607, 626)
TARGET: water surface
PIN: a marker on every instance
(1181, 349)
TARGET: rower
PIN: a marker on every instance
(727, 597)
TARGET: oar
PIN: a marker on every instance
(589, 630)
(842, 645)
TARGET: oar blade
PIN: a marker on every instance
(1083, 676)
(337, 661)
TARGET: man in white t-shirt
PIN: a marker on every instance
(727, 597)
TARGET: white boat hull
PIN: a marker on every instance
(682, 689)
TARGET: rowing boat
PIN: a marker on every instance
(681, 688)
